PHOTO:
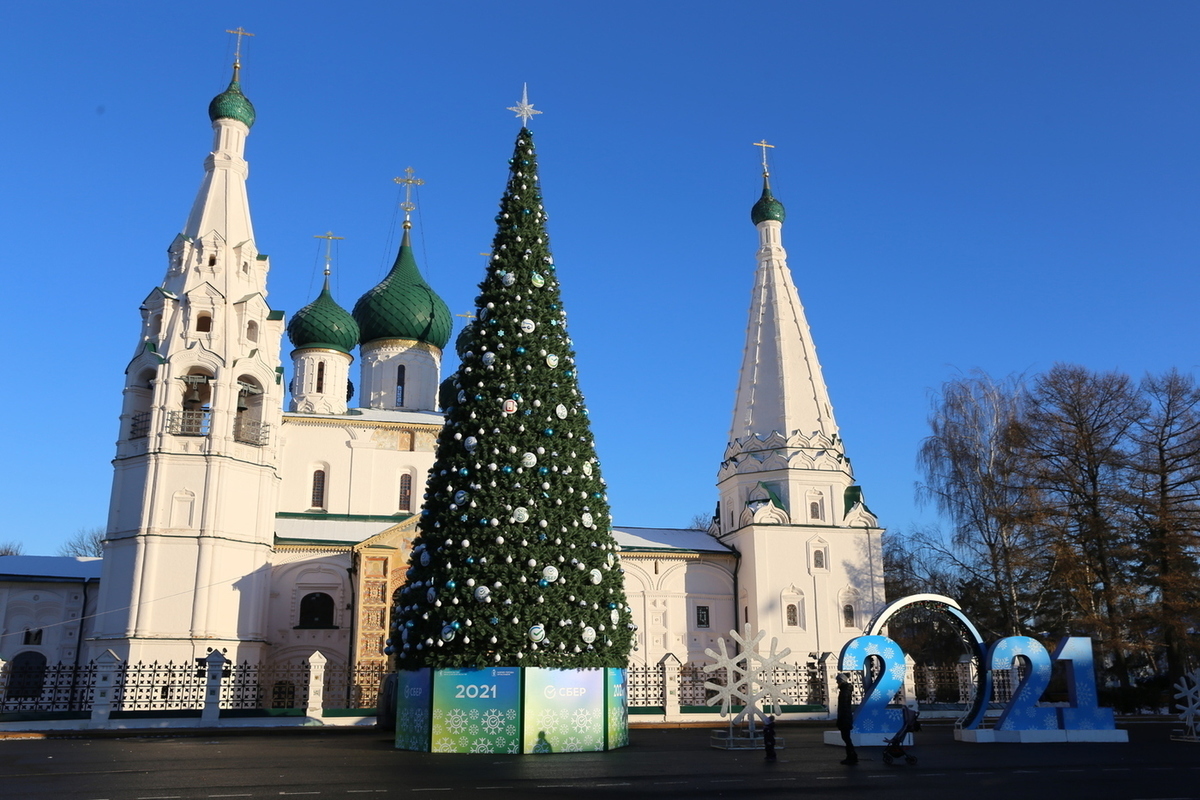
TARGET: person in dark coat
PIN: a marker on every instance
(845, 716)
(769, 738)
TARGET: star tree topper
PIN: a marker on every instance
(524, 109)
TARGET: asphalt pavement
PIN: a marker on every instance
(659, 763)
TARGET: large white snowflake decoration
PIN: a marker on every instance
(749, 676)
(1187, 692)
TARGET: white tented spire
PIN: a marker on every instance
(781, 388)
(221, 204)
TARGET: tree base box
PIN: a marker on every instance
(530, 710)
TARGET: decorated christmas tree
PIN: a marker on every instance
(515, 564)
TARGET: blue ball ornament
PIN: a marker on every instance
(507, 468)
(464, 472)
(549, 431)
(520, 349)
(450, 584)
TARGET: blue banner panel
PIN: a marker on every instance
(413, 698)
(618, 707)
(477, 710)
(564, 710)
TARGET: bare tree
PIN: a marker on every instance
(85, 542)
(700, 522)
(11, 549)
(971, 475)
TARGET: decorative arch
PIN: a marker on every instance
(949, 608)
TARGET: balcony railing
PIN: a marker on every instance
(139, 425)
(251, 432)
(189, 423)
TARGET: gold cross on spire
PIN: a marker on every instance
(408, 182)
(328, 237)
(763, 144)
(237, 54)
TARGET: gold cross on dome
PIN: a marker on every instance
(763, 144)
(408, 182)
(240, 32)
(328, 237)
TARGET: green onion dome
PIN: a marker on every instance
(232, 104)
(403, 306)
(767, 206)
(323, 323)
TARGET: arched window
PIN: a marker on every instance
(316, 611)
(320, 377)
(814, 509)
(156, 325)
(848, 615)
(399, 385)
(212, 260)
(27, 676)
(406, 492)
(793, 616)
(252, 331)
(791, 601)
(204, 323)
(33, 637)
(248, 426)
(318, 489)
(818, 559)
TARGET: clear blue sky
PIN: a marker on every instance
(997, 185)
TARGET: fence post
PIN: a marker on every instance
(316, 684)
(214, 665)
(104, 692)
(908, 693)
(670, 667)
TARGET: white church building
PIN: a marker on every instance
(255, 512)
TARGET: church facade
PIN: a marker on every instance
(269, 534)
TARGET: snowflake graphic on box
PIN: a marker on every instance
(749, 676)
(493, 721)
(584, 719)
(481, 745)
(571, 745)
(456, 721)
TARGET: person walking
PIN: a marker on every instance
(845, 716)
(769, 738)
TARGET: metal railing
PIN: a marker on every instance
(189, 423)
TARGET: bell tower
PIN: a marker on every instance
(810, 548)
(190, 526)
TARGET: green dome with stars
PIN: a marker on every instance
(403, 306)
(767, 206)
(323, 323)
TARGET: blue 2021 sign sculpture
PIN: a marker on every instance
(1022, 719)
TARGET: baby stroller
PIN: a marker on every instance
(895, 745)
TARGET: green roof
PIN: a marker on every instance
(232, 104)
(323, 323)
(403, 306)
(767, 206)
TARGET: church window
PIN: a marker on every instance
(814, 508)
(791, 602)
(245, 267)
(793, 616)
(156, 325)
(26, 676)
(252, 331)
(848, 615)
(316, 611)
(819, 559)
(212, 260)
(33, 637)
(318, 489)
(204, 323)
(406, 492)
(320, 377)
(399, 385)
(702, 616)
